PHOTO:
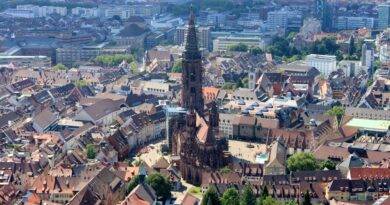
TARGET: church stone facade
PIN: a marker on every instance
(195, 139)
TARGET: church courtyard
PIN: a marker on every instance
(246, 151)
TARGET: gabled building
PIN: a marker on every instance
(157, 60)
(103, 112)
(105, 188)
(357, 190)
(277, 160)
(45, 120)
(142, 194)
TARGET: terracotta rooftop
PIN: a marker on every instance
(369, 173)
(190, 199)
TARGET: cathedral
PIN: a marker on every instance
(195, 138)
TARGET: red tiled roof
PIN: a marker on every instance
(370, 173)
(189, 199)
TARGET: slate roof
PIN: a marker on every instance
(102, 108)
(158, 116)
(352, 161)
(126, 115)
(42, 96)
(45, 118)
(8, 117)
(62, 90)
(20, 85)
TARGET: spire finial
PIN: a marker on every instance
(192, 15)
(191, 50)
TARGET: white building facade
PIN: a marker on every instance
(326, 64)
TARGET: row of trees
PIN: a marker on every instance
(241, 83)
(218, 5)
(241, 47)
(232, 197)
(282, 48)
(114, 60)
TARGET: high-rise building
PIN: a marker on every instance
(367, 59)
(43, 11)
(384, 53)
(384, 16)
(284, 19)
(204, 34)
(324, 11)
(354, 22)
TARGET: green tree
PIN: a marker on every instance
(306, 199)
(325, 46)
(270, 201)
(81, 83)
(244, 83)
(291, 36)
(377, 65)
(264, 194)
(336, 111)
(369, 83)
(230, 197)
(60, 66)
(240, 47)
(247, 197)
(339, 55)
(280, 47)
(328, 164)
(210, 197)
(239, 84)
(91, 153)
(229, 86)
(133, 183)
(133, 67)
(225, 170)
(351, 46)
(177, 67)
(160, 184)
(118, 18)
(290, 202)
(302, 162)
(256, 51)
